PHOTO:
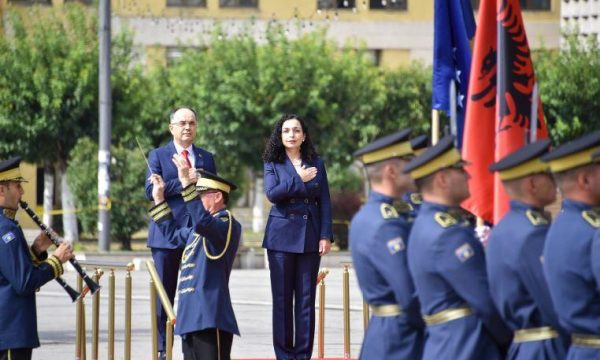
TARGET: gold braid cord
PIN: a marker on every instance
(217, 257)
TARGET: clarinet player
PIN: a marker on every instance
(23, 270)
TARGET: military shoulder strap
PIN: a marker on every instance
(388, 211)
(536, 218)
(444, 219)
(592, 217)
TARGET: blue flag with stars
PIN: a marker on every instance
(454, 25)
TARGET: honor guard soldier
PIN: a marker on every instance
(412, 198)
(447, 263)
(23, 270)
(514, 256)
(378, 239)
(205, 317)
(568, 257)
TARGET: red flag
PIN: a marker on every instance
(499, 105)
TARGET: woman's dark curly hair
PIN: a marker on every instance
(275, 151)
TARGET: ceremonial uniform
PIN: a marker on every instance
(514, 265)
(518, 286)
(447, 264)
(210, 249)
(166, 254)
(22, 273)
(569, 257)
(299, 218)
(378, 238)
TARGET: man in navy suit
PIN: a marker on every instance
(166, 255)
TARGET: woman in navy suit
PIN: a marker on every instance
(298, 233)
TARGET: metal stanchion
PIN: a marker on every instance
(169, 344)
(153, 320)
(321, 281)
(346, 295)
(365, 315)
(156, 286)
(96, 315)
(79, 335)
(130, 268)
(111, 315)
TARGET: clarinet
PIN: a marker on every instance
(55, 239)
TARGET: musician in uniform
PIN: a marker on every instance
(378, 239)
(166, 255)
(23, 270)
(568, 257)
(447, 264)
(205, 317)
(514, 256)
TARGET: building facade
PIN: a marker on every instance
(395, 32)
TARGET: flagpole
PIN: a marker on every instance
(534, 114)
(435, 126)
(453, 128)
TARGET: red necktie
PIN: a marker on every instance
(185, 156)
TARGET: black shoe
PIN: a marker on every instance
(162, 355)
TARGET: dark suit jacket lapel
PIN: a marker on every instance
(172, 148)
(288, 167)
(198, 158)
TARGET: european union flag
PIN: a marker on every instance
(454, 25)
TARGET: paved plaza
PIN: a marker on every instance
(251, 296)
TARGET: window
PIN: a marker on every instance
(238, 3)
(374, 55)
(336, 4)
(388, 4)
(85, 2)
(525, 4)
(190, 3)
(31, 2)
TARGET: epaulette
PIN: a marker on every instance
(592, 216)
(159, 211)
(444, 219)
(9, 213)
(189, 193)
(223, 216)
(416, 198)
(388, 211)
(402, 207)
(536, 217)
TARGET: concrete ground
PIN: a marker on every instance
(251, 296)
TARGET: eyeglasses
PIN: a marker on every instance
(182, 124)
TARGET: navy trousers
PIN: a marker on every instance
(293, 286)
(167, 263)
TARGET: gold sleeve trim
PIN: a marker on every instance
(159, 211)
(189, 193)
(34, 258)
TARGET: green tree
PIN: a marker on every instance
(128, 208)
(569, 84)
(49, 90)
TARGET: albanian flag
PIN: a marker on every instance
(498, 117)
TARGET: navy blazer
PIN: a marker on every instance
(301, 212)
(161, 163)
